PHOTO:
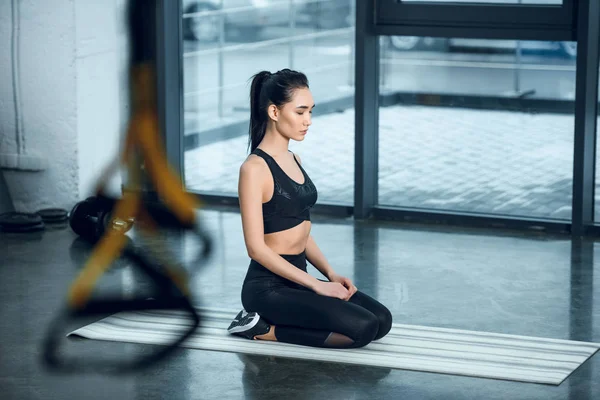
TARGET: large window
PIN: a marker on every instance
(479, 126)
(225, 46)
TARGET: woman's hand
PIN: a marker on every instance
(347, 283)
(331, 289)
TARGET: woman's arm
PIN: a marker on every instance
(318, 260)
(315, 256)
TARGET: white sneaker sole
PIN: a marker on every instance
(246, 327)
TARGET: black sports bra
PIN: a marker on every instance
(291, 201)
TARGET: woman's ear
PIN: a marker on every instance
(273, 112)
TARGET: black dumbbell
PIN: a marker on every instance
(86, 219)
(91, 217)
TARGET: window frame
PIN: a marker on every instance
(483, 21)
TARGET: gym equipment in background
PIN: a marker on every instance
(105, 220)
(89, 218)
(21, 222)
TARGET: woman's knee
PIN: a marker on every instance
(366, 330)
(384, 319)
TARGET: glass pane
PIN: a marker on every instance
(225, 46)
(455, 141)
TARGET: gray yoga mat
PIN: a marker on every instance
(408, 347)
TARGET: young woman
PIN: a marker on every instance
(281, 301)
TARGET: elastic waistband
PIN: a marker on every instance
(298, 260)
(295, 257)
(256, 269)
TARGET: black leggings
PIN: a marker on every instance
(304, 317)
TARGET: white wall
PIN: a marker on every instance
(102, 86)
(73, 85)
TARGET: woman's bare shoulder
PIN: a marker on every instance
(254, 167)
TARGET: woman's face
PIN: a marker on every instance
(293, 119)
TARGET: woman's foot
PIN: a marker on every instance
(248, 325)
(268, 336)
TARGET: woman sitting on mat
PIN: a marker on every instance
(281, 301)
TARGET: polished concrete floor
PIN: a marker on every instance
(468, 279)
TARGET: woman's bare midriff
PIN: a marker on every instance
(290, 241)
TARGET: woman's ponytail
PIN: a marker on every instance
(258, 111)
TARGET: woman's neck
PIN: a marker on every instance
(274, 143)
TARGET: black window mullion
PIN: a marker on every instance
(495, 17)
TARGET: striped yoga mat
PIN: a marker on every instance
(409, 347)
